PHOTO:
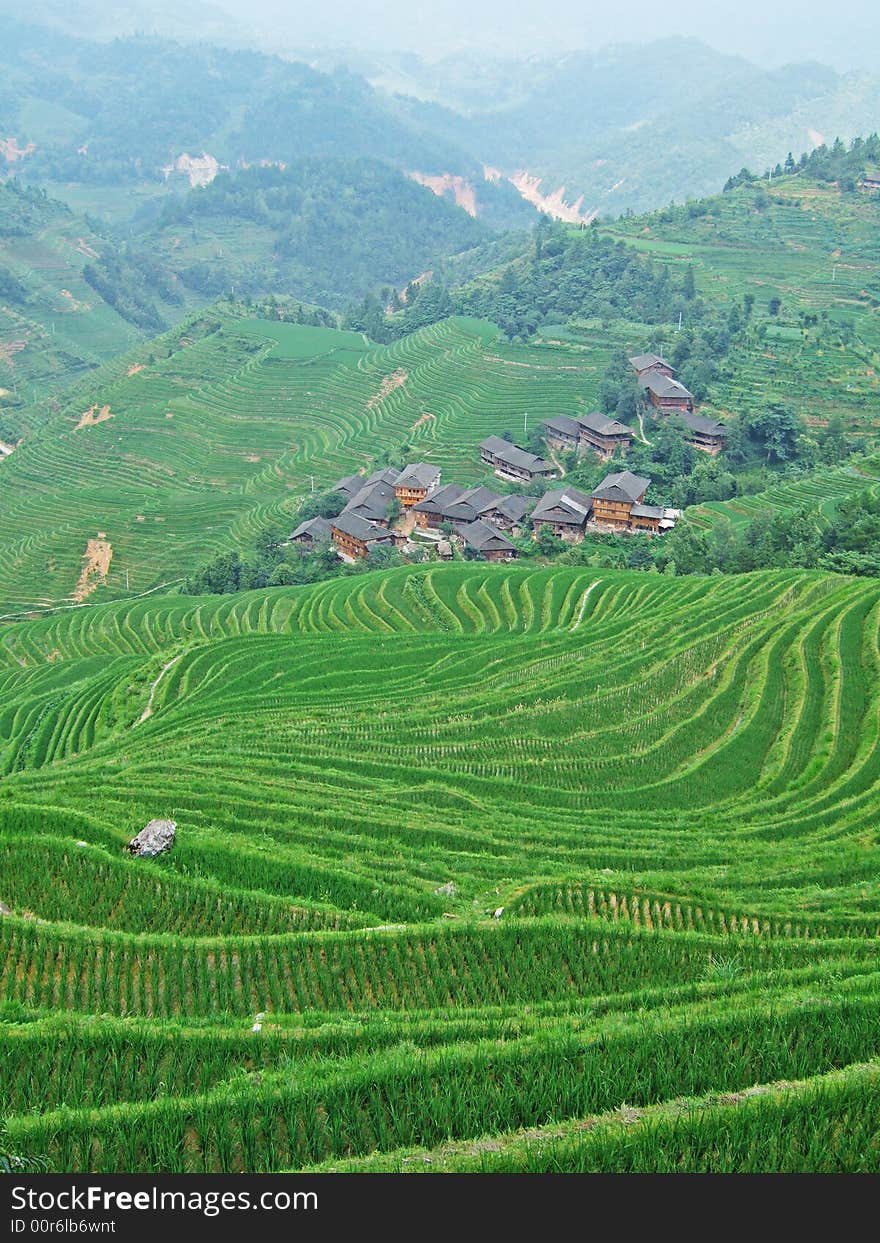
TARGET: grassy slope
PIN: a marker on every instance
(669, 785)
(813, 247)
(65, 327)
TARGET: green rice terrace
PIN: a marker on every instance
(477, 868)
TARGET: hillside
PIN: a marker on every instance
(329, 231)
(70, 299)
(197, 442)
(664, 789)
(117, 128)
(805, 252)
(631, 127)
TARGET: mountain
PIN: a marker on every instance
(630, 127)
(328, 230)
(113, 127)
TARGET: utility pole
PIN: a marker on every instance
(679, 321)
(312, 477)
(525, 424)
(126, 580)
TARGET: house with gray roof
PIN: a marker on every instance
(486, 541)
(615, 497)
(434, 509)
(513, 462)
(415, 483)
(664, 393)
(643, 363)
(354, 537)
(507, 512)
(312, 531)
(565, 510)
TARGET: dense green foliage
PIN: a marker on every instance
(564, 275)
(333, 228)
(840, 163)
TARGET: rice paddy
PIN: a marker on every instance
(478, 867)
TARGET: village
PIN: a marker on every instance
(412, 507)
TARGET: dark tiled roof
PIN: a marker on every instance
(349, 485)
(359, 528)
(316, 528)
(563, 425)
(419, 475)
(642, 362)
(602, 425)
(664, 386)
(439, 501)
(515, 457)
(563, 505)
(470, 503)
(623, 486)
(484, 537)
(699, 423)
(512, 507)
(647, 511)
(373, 499)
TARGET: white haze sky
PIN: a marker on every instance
(845, 33)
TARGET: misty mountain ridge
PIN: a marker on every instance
(628, 128)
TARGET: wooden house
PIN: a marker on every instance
(664, 393)
(507, 513)
(563, 433)
(615, 497)
(469, 505)
(433, 511)
(646, 518)
(354, 537)
(311, 532)
(603, 435)
(415, 483)
(374, 498)
(705, 434)
(644, 363)
(486, 540)
(565, 511)
(512, 462)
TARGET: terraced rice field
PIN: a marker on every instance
(820, 492)
(200, 450)
(669, 789)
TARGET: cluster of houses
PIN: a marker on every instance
(391, 506)
(484, 522)
(656, 379)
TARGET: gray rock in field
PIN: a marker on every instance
(498, 913)
(154, 839)
(447, 890)
(4, 909)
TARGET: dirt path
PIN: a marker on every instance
(148, 711)
(97, 558)
(93, 416)
(551, 453)
(644, 439)
(420, 422)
